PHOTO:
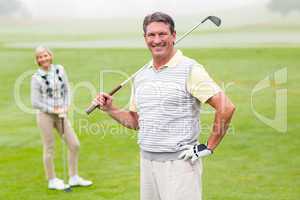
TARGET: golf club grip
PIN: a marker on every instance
(116, 89)
(92, 107)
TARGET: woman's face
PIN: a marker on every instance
(44, 59)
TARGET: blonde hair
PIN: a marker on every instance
(41, 49)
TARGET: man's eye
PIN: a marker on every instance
(163, 34)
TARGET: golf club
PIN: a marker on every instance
(62, 118)
(215, 20)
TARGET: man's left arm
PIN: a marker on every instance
(224, 110)
(202, 87)
(205, 89)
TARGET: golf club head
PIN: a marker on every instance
(68, 188)
(213, 19)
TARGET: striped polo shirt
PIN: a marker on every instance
(168, 104)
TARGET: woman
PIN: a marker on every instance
(50, 95)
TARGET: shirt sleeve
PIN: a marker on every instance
(67, 94)
(132, 105)
(36, 97)
(200, 85)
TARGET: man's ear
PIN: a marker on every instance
(174, 35)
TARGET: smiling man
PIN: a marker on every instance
(165, 107)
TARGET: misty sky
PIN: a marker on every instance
(130, 8)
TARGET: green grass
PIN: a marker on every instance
(253, 162)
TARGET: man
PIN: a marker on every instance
(164, 107)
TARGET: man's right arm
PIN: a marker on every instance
(128, 119)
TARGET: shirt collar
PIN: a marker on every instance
(44, 72)
(172, 62)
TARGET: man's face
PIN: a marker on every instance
(159, 39)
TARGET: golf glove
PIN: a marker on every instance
(194, 152)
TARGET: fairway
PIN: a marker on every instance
(253, 162)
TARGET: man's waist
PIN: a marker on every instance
(163, 156)
(160, 156)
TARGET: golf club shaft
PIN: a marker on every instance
(64, 160)
(188, 32)
(92, 107)
(63, 149)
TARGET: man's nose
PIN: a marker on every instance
(157, 39)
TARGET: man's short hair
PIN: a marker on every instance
(159, 17)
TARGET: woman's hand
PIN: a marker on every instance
(59, 110)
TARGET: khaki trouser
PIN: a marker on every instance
(47, 122)
(170, 180)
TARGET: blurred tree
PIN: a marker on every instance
(284, 6)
